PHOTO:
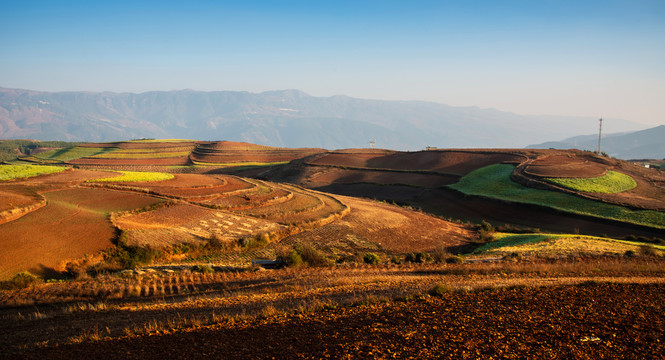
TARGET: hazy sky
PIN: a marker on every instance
(558, 57)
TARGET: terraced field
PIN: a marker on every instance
(72, 224)
(228, 153)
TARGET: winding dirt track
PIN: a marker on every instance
(594, 321)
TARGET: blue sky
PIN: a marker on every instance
(558, 57)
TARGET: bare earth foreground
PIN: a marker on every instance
(587, 321)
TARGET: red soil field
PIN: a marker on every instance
(231, 184)
(603, 321)
(249, 199)
(566, 165)
(389, 228)
(15, 197)
(141, 145)
(186, 223)
(456, 162)
(73, 223)
(182, 181)
(174, 161)
(232, 152)
(343, 176)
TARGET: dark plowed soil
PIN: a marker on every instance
(594, 321)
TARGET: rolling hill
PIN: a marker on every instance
(643, 144)
(287, 118)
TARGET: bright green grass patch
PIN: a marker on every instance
(23, 171)
(135, 176)
(557, 244)
(140, 155)
(610, 183)
(71, 153)
(494, 182)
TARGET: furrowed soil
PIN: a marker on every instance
(588, 321)
(72, 224)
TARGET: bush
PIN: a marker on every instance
(312, 256)
(421, 257)
(440, 256)
(20, 281)
(484, 225)
(455, 259)
(203, 269)
(371, 258)
(439, 290)
(647, 250)
(395, 259)
(291, 259)
(131, 256)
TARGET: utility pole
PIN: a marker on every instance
(600, 130)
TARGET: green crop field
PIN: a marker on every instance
(610, 183)
(557, 244)
(71, 153)
(23, 171)
(135, 176)
(494, 182)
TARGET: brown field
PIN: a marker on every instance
(225, 152)
(607, 308)
(344, 176)
(454, 162)
(174, 161)
(198, 296)
(72, 224)
(195, 221)
(386, 229)
(567, 165)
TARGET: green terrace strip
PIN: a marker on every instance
(557, 244)
(610, 183)
(135, 176)
(494, 182)
(71, 153)
(23, 171)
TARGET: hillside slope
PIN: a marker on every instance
(644, 144)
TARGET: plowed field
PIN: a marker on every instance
(72, 224)
(604, 321)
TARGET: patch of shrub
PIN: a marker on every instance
(486, 226)
(440, 256)
(648, 250)
(290, 258)
(440, 289)
(514, 256)
(486, 236)
(312, 256)
(20, 281)
(371, 258)
(630, 253)
(395, 259)
(203, 269)
(455, 259)
(131, 256)
(421, 257)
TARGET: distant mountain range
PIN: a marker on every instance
(644, 144)
(288, 118)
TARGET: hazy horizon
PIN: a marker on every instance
(591, 58)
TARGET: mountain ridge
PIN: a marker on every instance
(287, 118)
